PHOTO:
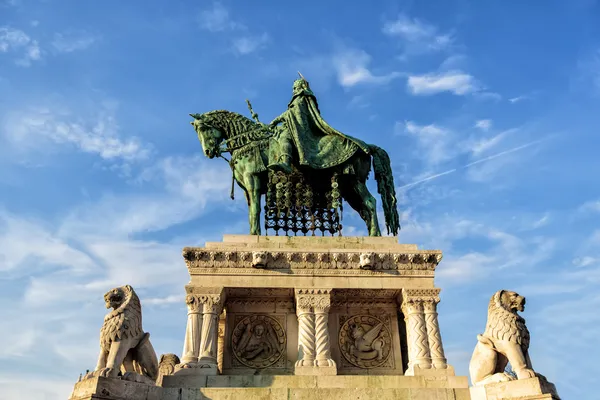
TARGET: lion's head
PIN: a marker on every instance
(511, 301)
(114, 298)
(259, 259)
(504, 323)
(367, 260)
(126, 318)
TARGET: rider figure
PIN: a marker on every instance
(319, 146)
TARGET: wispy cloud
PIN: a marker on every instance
(589, 70)
(217, 19)
(72, 41)
(419, 35)
(500, 154)
(456, 82)
(479, 146)
(250, 44)
(352, 68)
(590, 207)
(518, 99)
(17, 41)
(432, 140)
(484, 124)
(39, 127)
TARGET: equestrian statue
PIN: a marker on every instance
(302, 165)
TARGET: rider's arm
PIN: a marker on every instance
(277, 120)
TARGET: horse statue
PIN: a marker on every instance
(249, 143)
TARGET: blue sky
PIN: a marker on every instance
(488, 110)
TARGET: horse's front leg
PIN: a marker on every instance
(254, 205)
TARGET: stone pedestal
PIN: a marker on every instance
(522, 389)
(313, 306)
(306, 318)
(100, 388)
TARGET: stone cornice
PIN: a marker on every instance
(203, 260)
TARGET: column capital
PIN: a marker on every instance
(315, 300)
(419, 299)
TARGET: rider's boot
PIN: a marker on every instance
(284, 165)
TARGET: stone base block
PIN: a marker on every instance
(328, 371)
(100, 388)
(416, 371)
(276, 387)
(523, 389)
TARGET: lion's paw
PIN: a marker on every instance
(525, 373)
(106, 372)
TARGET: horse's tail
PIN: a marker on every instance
(385, 188)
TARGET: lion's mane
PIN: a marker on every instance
(505, 324)
(125, 321)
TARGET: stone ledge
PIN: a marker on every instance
(262, 387)
(318, 381)
(100, 388)
(331, 260)
(522, 389)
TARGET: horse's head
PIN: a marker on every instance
(209, 134)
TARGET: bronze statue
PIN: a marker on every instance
(302, 165)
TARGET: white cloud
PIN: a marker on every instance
(15, 40)
(518, 99)
(479, 146)
(421, 35)
(590, 207)
(250, 44)
(484, 124)
(217, 19)
(432, 140)
(72, 41)
(25, 242)
(351, 66)
(189, 185)
(36, 128)
(456, 82)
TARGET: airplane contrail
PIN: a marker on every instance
(502, 153)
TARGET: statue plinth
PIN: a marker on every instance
(297, 312)
(101, 388)
(537, 388)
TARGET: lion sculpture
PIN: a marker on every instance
(166, 366)
(124, 346)
(505, 340)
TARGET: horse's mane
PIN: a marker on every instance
(232, 122)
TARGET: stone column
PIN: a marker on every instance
(306, 331)
(193, 331)
(314, 356)
(221, 342)
(213, 305)
(321, 306)
(419, 356)
(433, 333)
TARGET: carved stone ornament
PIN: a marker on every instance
(120, 334)
(367, 260)
(259, 259)
(258, 341)
(365, 341)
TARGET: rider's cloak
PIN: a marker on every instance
(319, 145)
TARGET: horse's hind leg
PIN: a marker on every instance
(360, 199)
(254, 202)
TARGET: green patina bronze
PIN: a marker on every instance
(302, 164)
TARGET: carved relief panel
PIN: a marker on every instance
(259, 341)
(365, 341)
